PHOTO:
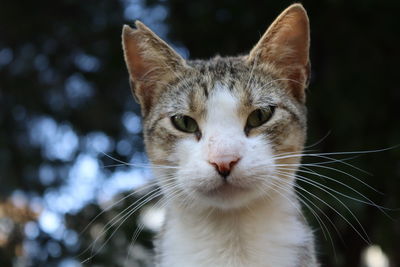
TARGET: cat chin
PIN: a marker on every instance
(226, 197)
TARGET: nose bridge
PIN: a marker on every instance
(224, 147)
(223, 130)
(224, 152)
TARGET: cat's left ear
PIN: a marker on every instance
(151, 63)
(284, 47)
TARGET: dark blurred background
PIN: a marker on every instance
(66, 109)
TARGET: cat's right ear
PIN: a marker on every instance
(151, 63)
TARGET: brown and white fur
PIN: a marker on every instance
(250, 216)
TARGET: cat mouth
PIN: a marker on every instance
(225, 189)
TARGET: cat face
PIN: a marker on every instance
(218, 130)
(229, 159)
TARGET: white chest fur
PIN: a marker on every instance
(266, 234)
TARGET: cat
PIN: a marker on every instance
(223, 136)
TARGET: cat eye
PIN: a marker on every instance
(185, 124)
(258, 117)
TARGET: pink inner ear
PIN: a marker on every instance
(285, 46)
(150, 61)
(291, 40)
(137, 65)
(139, 71)
(287, 41)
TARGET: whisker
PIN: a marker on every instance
(317, 217)
(116, 203)
(134, 237)
(319, 141)
(294, 153)
(115, 159)
(140, 228)
(123, 218)
(366, 238)
(324, 155)
(160, 204)
(324, 228)
(144, 165)
(152, 194)
(321, 163)
(347, 174)
(369, 202)
(286, 197)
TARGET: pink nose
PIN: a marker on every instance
(224, 165)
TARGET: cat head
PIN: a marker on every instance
(222, 132)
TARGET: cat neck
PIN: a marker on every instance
(269, 230)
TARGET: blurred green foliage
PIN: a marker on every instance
(62, 61)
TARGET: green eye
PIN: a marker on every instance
(185, 123)
(258, 117)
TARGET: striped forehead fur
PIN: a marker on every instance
(190, 91)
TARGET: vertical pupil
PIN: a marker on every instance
(260, 113)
